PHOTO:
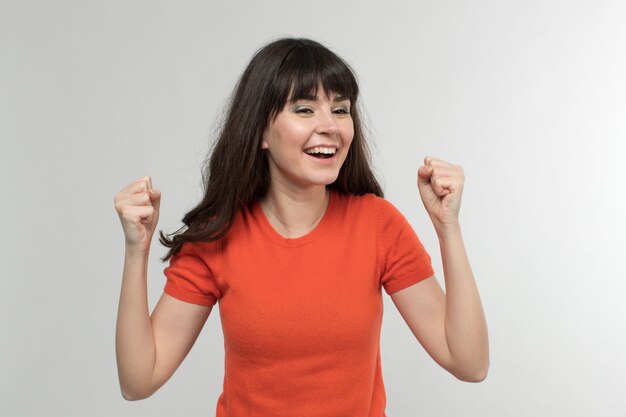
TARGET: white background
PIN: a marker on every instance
(529, 97)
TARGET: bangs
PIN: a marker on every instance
(307, 67)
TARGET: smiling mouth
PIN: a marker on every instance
(321, 152)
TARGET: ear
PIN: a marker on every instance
(264, 144)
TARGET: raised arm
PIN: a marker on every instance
(451, 326)
(148, 348)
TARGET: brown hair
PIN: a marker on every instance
(236, 170)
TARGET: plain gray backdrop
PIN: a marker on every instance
(529, 97)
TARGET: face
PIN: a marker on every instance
(308, 141)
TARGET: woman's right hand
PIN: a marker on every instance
(137, 204)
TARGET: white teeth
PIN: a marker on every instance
(321, 150)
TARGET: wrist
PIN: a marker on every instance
(131, 250)
(447, 229)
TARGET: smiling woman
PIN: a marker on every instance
(308, 130)
(295, 241)
(294, 94)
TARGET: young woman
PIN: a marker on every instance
(295, 241)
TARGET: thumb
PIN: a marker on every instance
(155, 198)
(423, 175)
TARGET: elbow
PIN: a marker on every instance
(131, 397)
(471, 372)
(472, 375)
(134, 395)
(135, 389)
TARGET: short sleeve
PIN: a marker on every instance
(189, 277)
(404, 260)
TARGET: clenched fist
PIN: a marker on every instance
(137, 204)
(440, 185)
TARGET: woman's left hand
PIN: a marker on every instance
(440, 184)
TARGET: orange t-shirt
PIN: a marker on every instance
(301, 317)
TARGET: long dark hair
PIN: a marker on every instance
(236, 171)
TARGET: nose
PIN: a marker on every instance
(327, 124)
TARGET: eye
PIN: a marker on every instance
(304, 110)
(342, 110)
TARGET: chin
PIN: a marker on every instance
(328, 181)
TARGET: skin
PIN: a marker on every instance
(297, 197)
(450, 326)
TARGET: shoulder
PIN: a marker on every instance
(367, 200)
(199, 248)
(371, 209)
(384, 208)
(370, 202)
(355, 205)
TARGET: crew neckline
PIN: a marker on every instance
(297, 241)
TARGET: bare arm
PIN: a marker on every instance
(451, 326)
(148, 349)
(135, 347)
(465, 325)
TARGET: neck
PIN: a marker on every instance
(295, 213)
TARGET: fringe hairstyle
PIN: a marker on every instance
(236, 171)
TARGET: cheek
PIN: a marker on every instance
(347, 126)
(348, 135)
